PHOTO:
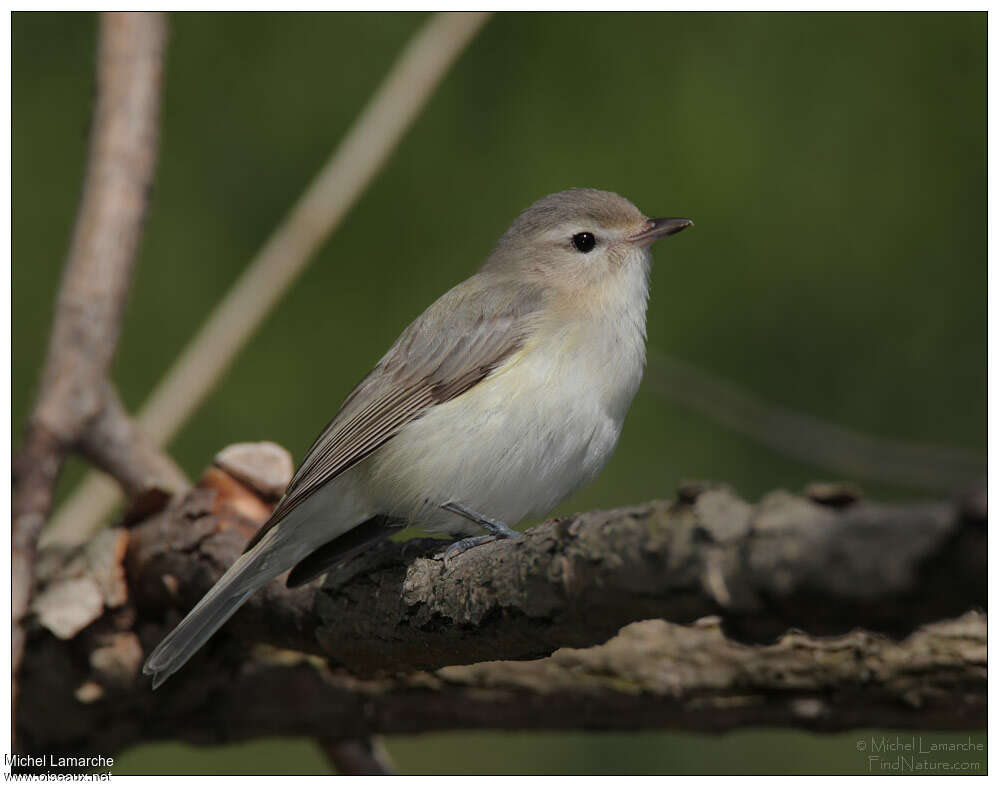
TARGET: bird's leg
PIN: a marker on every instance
(493, 527)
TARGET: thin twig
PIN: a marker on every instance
(73, 389)
(804, 437)
(381, 125)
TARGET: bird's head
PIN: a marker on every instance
(578, 238)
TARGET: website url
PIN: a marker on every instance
(57, 777)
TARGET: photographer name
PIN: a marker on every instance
(56, 761)
(918, 745)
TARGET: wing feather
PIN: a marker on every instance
(449, 349)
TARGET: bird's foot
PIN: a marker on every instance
(495, 530)
(462, 546)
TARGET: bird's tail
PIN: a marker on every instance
(273, 555)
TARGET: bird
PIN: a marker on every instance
(503, 398)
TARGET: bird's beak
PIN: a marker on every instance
(659, 228)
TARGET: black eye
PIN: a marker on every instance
(584, 241)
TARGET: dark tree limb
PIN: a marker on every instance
(787, 562)
(74, 407)
(707, 558)
(653, 675)
(358, 756)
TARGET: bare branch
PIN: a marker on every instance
(102, 252)
(73, 389)
(114, 443)
(335, 189)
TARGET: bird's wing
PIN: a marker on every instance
(451, 347)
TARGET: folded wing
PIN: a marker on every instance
(450, 348)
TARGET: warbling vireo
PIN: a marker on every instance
(500, 400)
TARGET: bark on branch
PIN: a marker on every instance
(787, 563)
(654, 675)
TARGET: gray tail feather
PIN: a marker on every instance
(252, 570)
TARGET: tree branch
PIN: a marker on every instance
(707, 558)
(787, 562)
(653, 675)
(74, 405)
(115, 444)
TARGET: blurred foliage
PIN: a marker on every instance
(834, 165)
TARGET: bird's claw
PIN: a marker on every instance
(465, 544)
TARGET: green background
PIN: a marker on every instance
(834, 165)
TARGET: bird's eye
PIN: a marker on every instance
(584, 241)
